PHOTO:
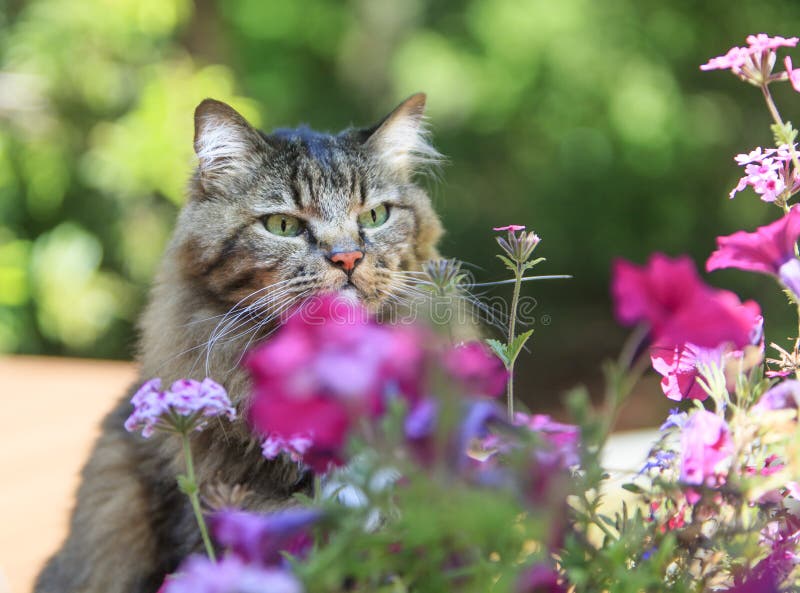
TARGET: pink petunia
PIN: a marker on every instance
(690, 322)
(668, 295)
(329, 366)
(705, 444)
(678, 367)
(768, 250)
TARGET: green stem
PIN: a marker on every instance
(511, 330)
(776, 117)
(194, 498)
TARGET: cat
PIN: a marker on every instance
(270, 219)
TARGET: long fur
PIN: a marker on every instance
(223, 285)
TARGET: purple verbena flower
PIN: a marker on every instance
(753, 63)
(769, 172)
(295, 446)
(198, 574)
(186, 406)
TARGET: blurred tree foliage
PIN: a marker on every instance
(588, 121)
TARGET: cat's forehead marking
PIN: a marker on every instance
(323, 177)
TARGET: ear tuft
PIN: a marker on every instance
(401, 141)
(223, 140)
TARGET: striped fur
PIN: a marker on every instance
(222, 284)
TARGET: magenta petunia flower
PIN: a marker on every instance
(184, 407)
(260, 539)
(477, 368)
(668, 295)
(690, 321)
(512, 228)
(198, 574)
(705, 444)
(769, 250)
(328, 366)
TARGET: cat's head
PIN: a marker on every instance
(286, 215)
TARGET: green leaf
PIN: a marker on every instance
(632, 488)
(516, 345)
(500, 349)
(509, 264)
(529, 264)
(186, 486)
(784, 134)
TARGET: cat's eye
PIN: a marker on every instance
(374, 217)
(283, 225)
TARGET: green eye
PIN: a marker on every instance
(283, 225)
(375, 217)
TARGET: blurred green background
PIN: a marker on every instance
(588, 121)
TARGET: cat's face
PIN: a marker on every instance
(276, 218)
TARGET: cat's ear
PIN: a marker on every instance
(400, 141)
(224, 142)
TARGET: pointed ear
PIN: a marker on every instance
(224, 142)
(400, 141)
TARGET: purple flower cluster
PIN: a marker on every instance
(755, 62)
(769, 172)
(185, 406)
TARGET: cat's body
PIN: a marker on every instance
(271, 220)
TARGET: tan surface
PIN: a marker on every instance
(51, 409)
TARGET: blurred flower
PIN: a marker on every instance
(477, 368)
(328, 366)
(260, 538)
(769, 250)
(705, 443)
(561, 441)
(198, 574)
(445, 274)
(784, 396)
(184, 407)
(539, 578)
(512, 228)
(769, 172)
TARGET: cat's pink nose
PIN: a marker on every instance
(346, 260)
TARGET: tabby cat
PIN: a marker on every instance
(271, 219)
